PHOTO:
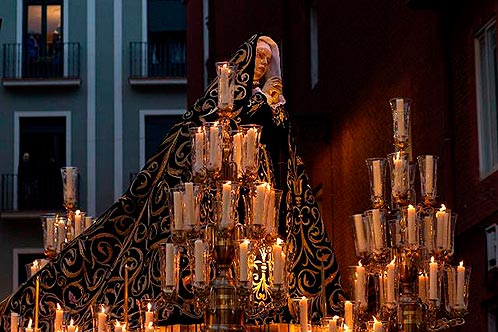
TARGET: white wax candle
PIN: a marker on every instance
(29, 328)
(447, 230)
(226, 197)
(377, 179)
(198, 260)
(14, 322)
(88, 222)
(77, 223)
(250, 143)
(150, 327)
(170, 264)
(243, 260)
(69, 185)
(59, 313)
(214, 148)
(303, 314)
(390, 281)
(460, 283)
(149, 315)
(433, 280)
(429, 174)
(101, 320)
(189, 206)
(333, 324)
(398, 186)
(224, 90)
(61, 233)
(237, 152)
(348, 314)
(270, 211)
(361, 239)
(118, 327)
(178, 210)
(377, 326)
(259, 204)
(412, 225)
(72, 328)
(422, 287)
(441, 228)
(361, 285)
(400, 117)
(377, 229)
(198, 150)
(278, 264)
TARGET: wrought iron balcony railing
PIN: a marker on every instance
(158, 61)
(61, 62)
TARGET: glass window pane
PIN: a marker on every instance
(34, 20)
(53, 23)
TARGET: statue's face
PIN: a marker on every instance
(263, 58)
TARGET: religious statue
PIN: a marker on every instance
(91, 268)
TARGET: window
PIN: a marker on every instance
(42, 46)
(486, 79)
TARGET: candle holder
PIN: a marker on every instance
(445, 229)
(169, 264)
(434, 282)
(299, 309)
(49, 235)
(213, 149)
(70, 186)
(362, 236)
(61, 231)
(200, 267)
(456, 289)
(400, 177)
(198, 155)
(12, 322)
(184, 205)
(400, 108)
(358, 277)
(78, 223)
(376, 174)
(427, 165)
(256, 207)
(272, 213)
(227, 202)
(226, 72)
(377, 225)
(101, 317)
(377, 326)
(251, 135)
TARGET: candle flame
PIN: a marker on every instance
(279, 241)
(461, 264)
(335, 317)
(359, 263)
(246, 241)
(150, 324)
(432, 259)
(199, 130)
(443, 208)
(35, 264)
(71, 323)
(58, 306)
(77, 212)
(375, 319)
(393, 261)
(102, 308)
(398, 155)
(29, 323)
(410, 206)
(346, 328)
(117, 323)
(149, 306)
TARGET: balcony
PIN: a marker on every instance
(158, 63)
(59, 67)
(30, 196)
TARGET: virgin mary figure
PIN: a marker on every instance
(93, 267)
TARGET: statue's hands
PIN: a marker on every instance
(273, 89)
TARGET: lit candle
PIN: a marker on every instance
(250, 142)
(149, 315)
(377, 326)
(361, 285)
(278, 264)
(101, 320)
(226, 196)
(14, 322)
(377, 229)
(150, 327)
(117, 327)
(348, 313)
(259, 203)
(433, 271)
(429, 171)
(400, 116)
(61, 233)
(377, 179)
(59, 313)
(460, 285)
(243, 260)
(214, 148)
(412, 226)
(189, 205)
(441, 228)
(398, 186)
(237, 152)
(345, 328)
(303, 314)
(224, 87)
(170, 264)
(390, 281)
(361, 240)
(178, 212)
(422, 287)
(198, 150)
(28, 328)
(77, 223)
(198, 260)
(72, 328)
(333, 324)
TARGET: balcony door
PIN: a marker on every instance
(42, 38)
(42, 152)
